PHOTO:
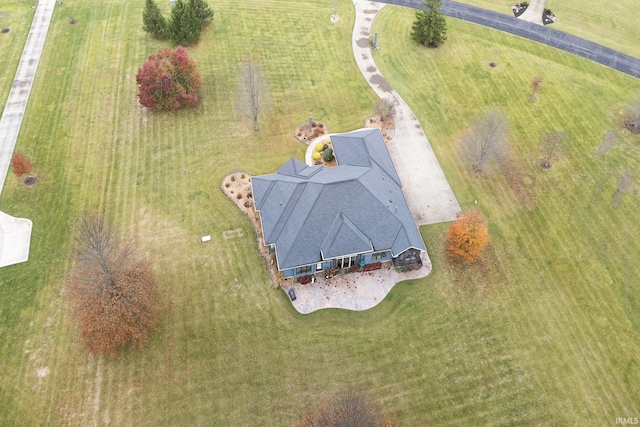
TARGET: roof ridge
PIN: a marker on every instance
(266, 194)
(286, 213)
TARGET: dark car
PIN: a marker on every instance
(292, 294)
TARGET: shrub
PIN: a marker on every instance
(242, 176)
(168, 80)
(320, 125)
(233, 178)
(239, 196)
(319, 146)
(304, 279)
(316, 156)
(21, 164)
(227, 185)
(328, 155)
(325, 146)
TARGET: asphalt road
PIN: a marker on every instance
(577, 46)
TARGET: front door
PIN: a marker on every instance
(346, 262)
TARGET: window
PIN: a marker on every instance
(303, 270)
(408, 257)
(376, 256)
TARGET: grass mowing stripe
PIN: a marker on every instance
(497, 344)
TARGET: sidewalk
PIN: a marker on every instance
(22, 83)
(424, 184)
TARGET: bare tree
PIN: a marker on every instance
(632, 118)
(253, 91)
(346, 409)
(485, 140)
(536, 84)
(113, 293)
(383, 108)
(550, 146)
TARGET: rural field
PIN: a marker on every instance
(545, 331)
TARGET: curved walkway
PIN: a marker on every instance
(546, 35)
(22, 83)
(424, 185)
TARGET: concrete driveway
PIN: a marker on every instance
(21, 88)
(424, 184)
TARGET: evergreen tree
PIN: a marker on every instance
(184, 27)
(153, 20)
(201, 9)
(430, 26)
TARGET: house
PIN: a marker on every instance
(316, 218)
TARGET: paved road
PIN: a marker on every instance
(428, 193)
(19, 94)
(546, 35)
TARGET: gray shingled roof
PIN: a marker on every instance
(315, 212)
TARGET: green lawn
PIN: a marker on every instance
(545, 331)
(610, 23)
(16, 15)
(559, 290)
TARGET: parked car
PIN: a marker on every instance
(292, 294)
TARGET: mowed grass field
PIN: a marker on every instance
(16, 15)
(545, 331)
(560, 285)
(611, 24)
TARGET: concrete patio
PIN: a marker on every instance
(352, 291)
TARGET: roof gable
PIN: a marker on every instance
(344, 238)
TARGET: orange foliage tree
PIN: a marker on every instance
(21, 164)
(468, 236)
(113, 293)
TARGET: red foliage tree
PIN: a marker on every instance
(168, 80)
(468, 236)
(113, 293)
(21, 165)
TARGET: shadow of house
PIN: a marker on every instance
(343, 218)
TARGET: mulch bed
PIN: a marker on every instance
(237, 187)
(30, 181)
(306, 135)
